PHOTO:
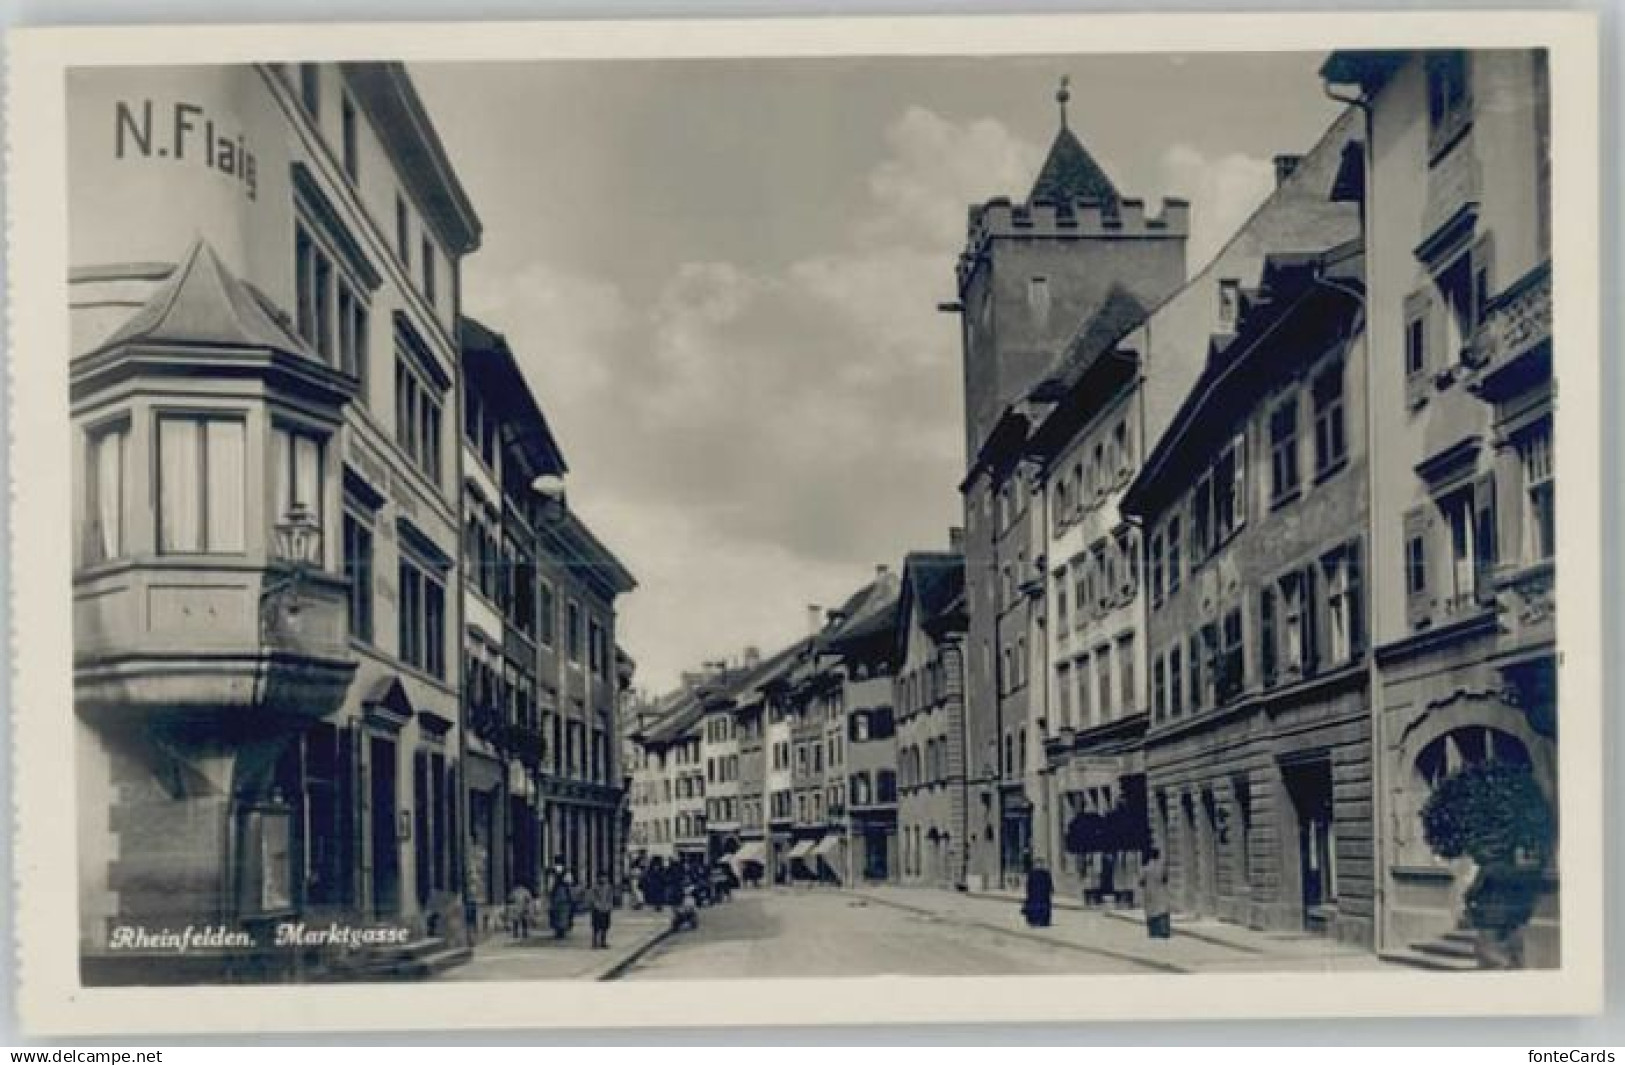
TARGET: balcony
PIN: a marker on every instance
(206, 638)
(1511, 351)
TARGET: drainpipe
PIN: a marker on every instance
(1379, 746)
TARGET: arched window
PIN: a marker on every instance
(1470, 745)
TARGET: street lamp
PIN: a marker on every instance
(296, 546)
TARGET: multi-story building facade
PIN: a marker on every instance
(579, 580)
(1113, 392)
(939, 811)
(507, 446)
(1029, 274)
(1458, 238)
(264, 352)
(1258, 752)
(719, 750)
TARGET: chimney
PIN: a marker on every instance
(881, 570)
(1285, 166)
(956, 539)
(753, 657)
(815, 619)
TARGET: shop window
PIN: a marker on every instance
(202, 471)
(106, 450)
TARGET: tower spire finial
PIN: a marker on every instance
(1063, 95)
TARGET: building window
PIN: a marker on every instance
(1202, 519)
(1038, 299)
(202, 470)
(595, 648)
(310, 88)
(1085, 697)
(572, 631)
(297, 475)
(330, 313)
(1267, 635)
(422, 619)
(548, 607)
(1063, 693)
(1298, 651)
(1060, 603)
(106, 449)
(1230, 488)
(1126, 673)
(417, 417)
(1230, 677)
(1159, 688)
(1175, 563)
(1229, 303)
(1284, 450)
(426, 249)
(1155, 551)
(351, 140)
(403, 231)
(358, 572)
(1345, 618)
(1449, 99)
(1103, 682)
(1331, 439)
(1200, 662)
(1539, 493)
(1176, 683)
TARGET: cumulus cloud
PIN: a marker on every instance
(1223, 191)
(749, 439)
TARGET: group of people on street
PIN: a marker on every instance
(1038, 904)
(562, 899)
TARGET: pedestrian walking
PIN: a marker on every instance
(1154, 895)
(654, 884)
(560, 902)
(601, 902)
(1040, 895)
(520, 901)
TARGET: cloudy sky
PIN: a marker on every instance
(722, 278)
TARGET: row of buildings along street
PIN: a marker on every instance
(1255, 561)
(345, 657)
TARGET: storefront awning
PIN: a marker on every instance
(800, 851)
(750, 852)
(828, 846)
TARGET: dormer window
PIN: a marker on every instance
(1449, 99)
(1229, 303)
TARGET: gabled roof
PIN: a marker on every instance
(202, 304)
(868, 612)
(1070, 173)
(490, 364)
(1118, 314)
(933, 587)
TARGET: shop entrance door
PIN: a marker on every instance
(386, 855)
(1310, 786)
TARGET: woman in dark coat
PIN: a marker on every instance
(1040, 895)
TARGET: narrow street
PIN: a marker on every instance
(826, 933)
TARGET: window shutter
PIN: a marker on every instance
(1239, 485)
(1355, 597)
(1266, 635)
(1418, 309)
(1484, 538)
(1312, 606)
(1418, 595)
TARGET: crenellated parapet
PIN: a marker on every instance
(1076, 219)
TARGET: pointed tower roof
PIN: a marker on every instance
(1070, 172)
(202, 304)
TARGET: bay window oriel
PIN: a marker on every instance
(106, 475)
(202, 473)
